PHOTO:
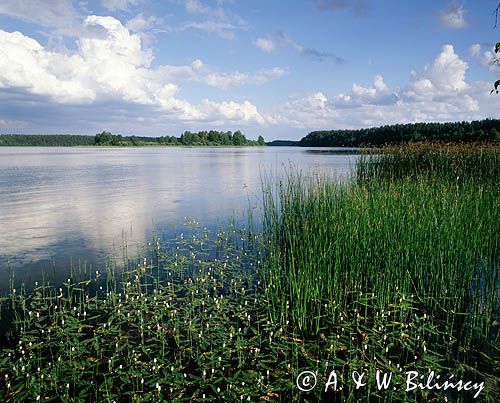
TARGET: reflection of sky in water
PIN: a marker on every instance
(62, 202)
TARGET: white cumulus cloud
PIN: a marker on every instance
(377, 93)
(444, 76)
(110, 64)
(25, 64)
(438, 92)
(233, 111)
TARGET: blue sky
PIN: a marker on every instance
(272, 68)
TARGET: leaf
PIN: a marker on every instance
(496, 89)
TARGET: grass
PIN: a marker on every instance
(395, 269)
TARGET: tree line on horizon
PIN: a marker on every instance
(482, 130)
(46, 140)
(202, 138)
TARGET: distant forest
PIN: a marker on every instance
(483, 130)
(203, 138)
(48, 140)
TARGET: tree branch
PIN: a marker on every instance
(497, 10)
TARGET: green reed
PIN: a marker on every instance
(455, 162)
(419, 223)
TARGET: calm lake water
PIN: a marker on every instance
(58, 204)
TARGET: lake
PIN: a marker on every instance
(85, 204)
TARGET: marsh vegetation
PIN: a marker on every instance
(394, 268)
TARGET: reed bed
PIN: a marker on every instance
(416, 229)
(455, 162)
(394, 269)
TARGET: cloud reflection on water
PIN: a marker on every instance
(85, 202)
